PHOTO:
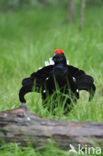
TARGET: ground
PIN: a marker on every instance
(28, 38)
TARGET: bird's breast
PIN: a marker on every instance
(60, 72)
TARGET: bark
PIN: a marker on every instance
(22, 126)
(71, 9)
(83, 2)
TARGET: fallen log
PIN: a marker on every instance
(22, 126)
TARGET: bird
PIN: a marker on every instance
(58, 75)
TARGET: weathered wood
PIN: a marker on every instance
(22, 126)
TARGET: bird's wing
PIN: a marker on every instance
(75, 72)
(35, 82)
(38, 78)
(86, 82)
(83, 81)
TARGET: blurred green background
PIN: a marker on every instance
(30, 30)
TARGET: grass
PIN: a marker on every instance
(28, 38)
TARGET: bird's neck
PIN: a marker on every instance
(60, 63)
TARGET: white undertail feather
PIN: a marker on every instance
(68, 62)
(51, 62)
(47, 63)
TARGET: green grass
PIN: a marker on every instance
(28, 38)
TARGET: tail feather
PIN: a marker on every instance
(23, 91)
(85, 82)
(27, 81)
(28, 86)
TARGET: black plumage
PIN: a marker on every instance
(69, 79)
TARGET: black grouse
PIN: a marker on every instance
(70, 80)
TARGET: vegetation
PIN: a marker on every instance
(28, 37)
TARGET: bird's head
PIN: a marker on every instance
(59, 57)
